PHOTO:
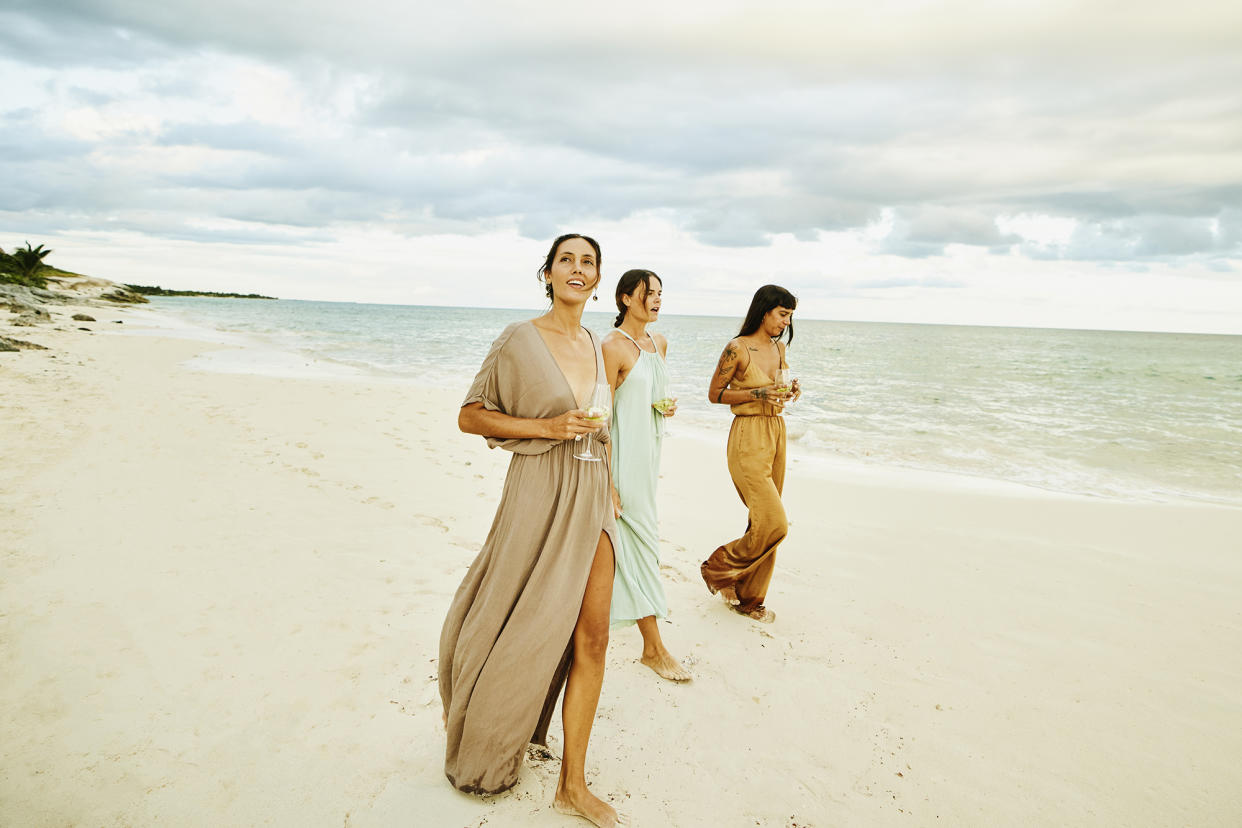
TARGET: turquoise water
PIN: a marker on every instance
(1114, 414)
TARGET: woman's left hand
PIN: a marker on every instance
(672, 409)
(795, 389)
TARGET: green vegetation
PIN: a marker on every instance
(24, 266)
(149, 290)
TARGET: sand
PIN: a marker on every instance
(221, 595)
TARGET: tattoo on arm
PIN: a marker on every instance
(728, 361)
(725, 370)
(759, 393)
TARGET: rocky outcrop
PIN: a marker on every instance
(24, 302)
(7, 344)
(20, 299)
(29, 306)
(125, 296)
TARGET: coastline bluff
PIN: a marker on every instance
(58, 304)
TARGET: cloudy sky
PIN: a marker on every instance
(1074, 164)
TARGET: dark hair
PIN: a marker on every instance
(766, 298)
(546, 268)
(630, 280)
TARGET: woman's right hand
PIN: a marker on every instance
(570, 426)
(769, 394)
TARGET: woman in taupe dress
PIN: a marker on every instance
(532, 612)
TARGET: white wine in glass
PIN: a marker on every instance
(663, 405)
(784, 383)
(597, 412)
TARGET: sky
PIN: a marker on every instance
(1051, 164)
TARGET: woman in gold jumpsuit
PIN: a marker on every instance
(744, 380)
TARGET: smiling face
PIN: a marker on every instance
(574, 271)
(776, 321)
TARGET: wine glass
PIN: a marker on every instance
(597, 413)
(662, 405)
(784, 383)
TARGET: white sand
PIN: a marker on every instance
(221, 595)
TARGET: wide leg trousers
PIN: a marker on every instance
(756, 453)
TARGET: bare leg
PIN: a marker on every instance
(586, 677)
(656, 656)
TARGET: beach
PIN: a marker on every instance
(221, 597)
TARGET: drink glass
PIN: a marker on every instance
(597, 413)
(663, 404)
(784, 383)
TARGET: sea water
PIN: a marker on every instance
(1113, 414)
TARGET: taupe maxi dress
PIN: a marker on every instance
(506, 645)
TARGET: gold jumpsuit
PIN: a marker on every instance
(756, 455)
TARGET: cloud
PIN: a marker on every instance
(741, 127)
(1145, 238)
(245, 136)
(928, 230)
(47, 35)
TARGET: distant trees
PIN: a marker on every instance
(23, 266)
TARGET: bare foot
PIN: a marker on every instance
(729, 594)
(761, 614)
(665, 666)
(588, 806)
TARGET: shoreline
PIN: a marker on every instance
(223, 594)
(260, 355)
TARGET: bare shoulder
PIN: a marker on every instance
(618, 350)
(733, 359)
(737, 349)
(661, 343)
(613, 342)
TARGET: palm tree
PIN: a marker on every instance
(29, 261)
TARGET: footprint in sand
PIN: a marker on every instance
(429, 520)
(674, 573)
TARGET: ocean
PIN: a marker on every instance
(1136, 416)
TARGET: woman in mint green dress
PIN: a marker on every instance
(634, 363)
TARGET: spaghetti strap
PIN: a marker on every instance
(636, 345)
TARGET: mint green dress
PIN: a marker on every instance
(636, 437)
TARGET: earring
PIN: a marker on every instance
(596, 296)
